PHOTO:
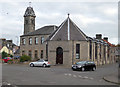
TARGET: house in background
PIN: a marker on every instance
(17, 53)
(5, 49)
(62, 45)
(8, 46)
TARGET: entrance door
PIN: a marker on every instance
(59, 55)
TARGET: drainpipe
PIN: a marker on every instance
(72, 52)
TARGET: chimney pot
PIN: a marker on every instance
(105, 38)
(98, 36)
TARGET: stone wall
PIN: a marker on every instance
(27, 47)
(67, 52)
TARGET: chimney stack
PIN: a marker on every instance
(98, 36)
(105, 38)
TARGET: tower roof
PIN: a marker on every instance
(29, 12)
(68, 30)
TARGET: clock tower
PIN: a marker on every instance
(29, 20)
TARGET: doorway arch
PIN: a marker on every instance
(59, 55)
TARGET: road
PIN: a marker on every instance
(17, 74)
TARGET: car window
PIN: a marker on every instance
(81, 62)
(90, 62)
(40, 60)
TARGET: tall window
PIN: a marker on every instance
(77, 51)
(26, 21)
(30, 53)
(108, 51)
(90, 50)
(47, 51)
(36, 54)
(32, 21)
(96, 52)
(30, 41)
(23, 41)
(41, 54)
(104, 51)
(42, 40)
(36, 40)
(100, 51)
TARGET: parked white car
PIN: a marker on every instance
(40, 62)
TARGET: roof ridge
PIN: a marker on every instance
(68, 31)
(41, 30)
(54, 33)
(109, 43)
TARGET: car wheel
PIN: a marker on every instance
(93, 69)
(44, 65)
(83, 69)
(31, 65)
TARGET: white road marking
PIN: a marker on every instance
(69, 74)
(74, 76)
(79, 76)
(91, 78)
(66, 74)
(85, 77)
(8, 84)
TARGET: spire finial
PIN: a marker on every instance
(68, 14)
(29, 4)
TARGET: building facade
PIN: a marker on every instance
(65, 44)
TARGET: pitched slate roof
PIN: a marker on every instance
(68, 30)
(109, 43)
(46, 30)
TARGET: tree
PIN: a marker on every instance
(25, 58)
(4, 54)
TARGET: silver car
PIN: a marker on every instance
(41, 62)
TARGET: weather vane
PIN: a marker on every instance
(68, 14)
(29, 4)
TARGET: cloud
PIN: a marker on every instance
(113, 40)
(91, 20)
(91, 17)
(111, 11)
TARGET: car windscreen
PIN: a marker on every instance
(91, 63)
(80, 63)
(40, 60)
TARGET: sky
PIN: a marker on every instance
(92, 17)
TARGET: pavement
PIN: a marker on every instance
(112, 79)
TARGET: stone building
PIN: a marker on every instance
(65, 44)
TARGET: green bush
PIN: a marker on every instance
(25, 58)
(4, 54)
